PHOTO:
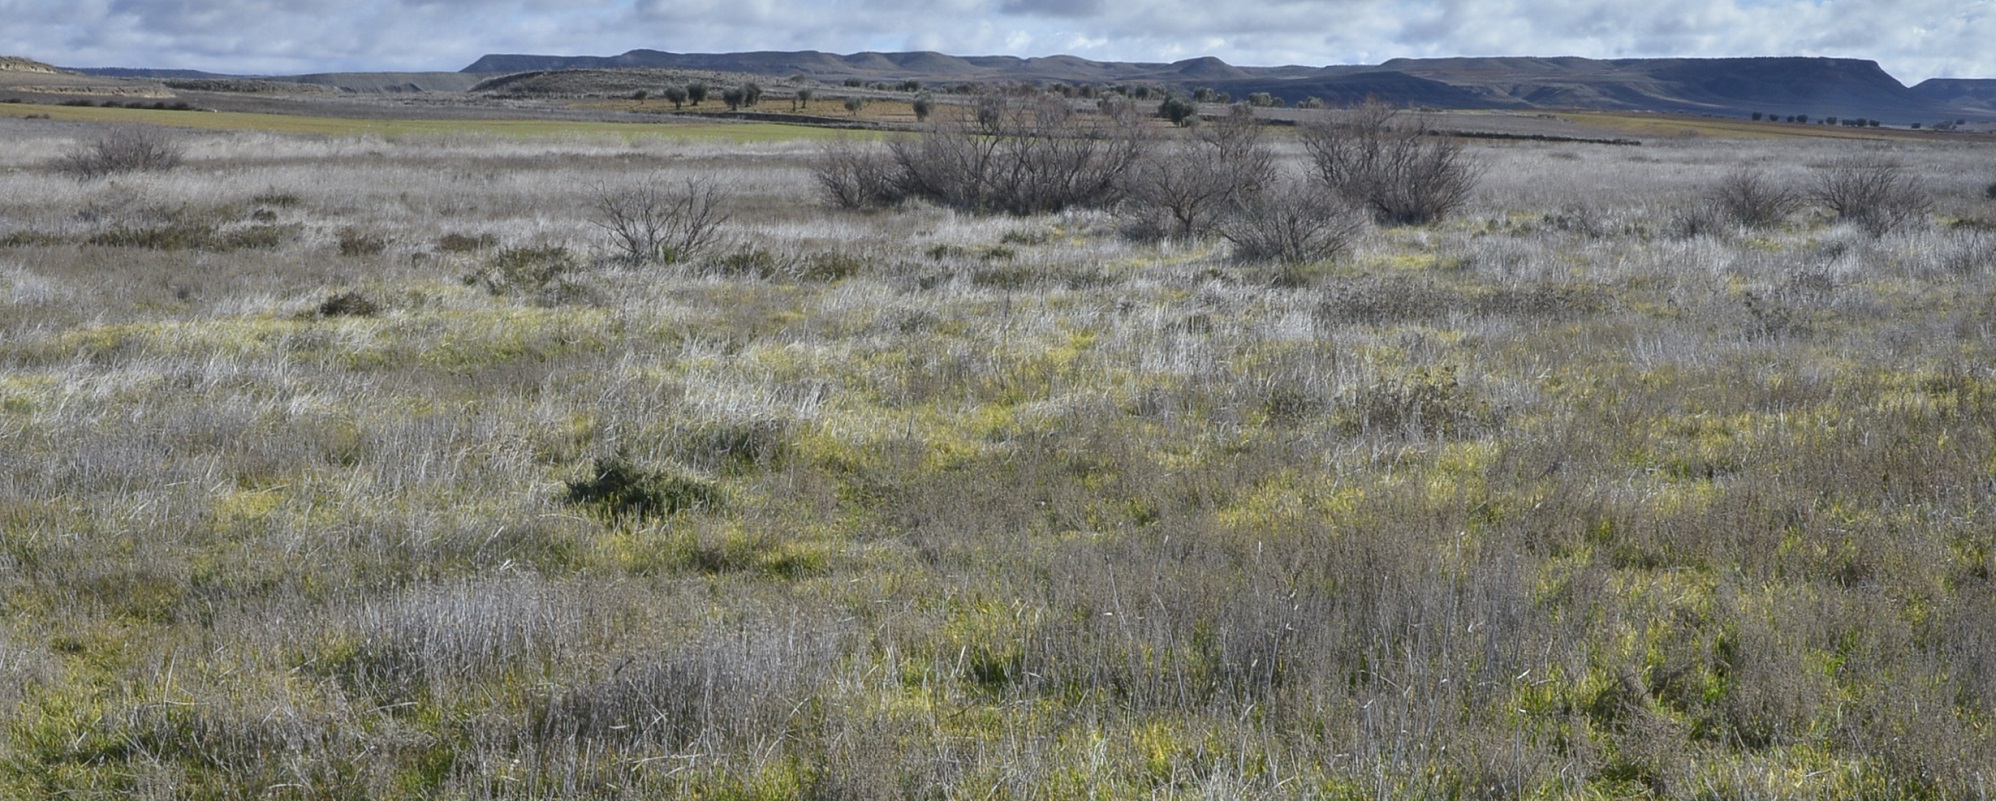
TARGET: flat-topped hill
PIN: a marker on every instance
(1818, 87)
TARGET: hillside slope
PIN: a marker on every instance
(1968, 94)
(31, 77)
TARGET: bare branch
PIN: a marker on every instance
(1403, 172)
(653, 222)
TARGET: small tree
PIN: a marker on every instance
(751, 93)
(735, 98)
(1756, 116)
(923, 106)
(801, 100)
(990, 111)
(1401, 171)
(854, 103)
(696, 93)
(675, 95)
(1179, 110)
(653, 221)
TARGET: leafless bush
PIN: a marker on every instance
(855, 175)
(133, 148)
(656, 222)
(1023, 156)
(1291, 222)
(1186, 190)
(1747, 196)
(1403, 172)
(1877, 194)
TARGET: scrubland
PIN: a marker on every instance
(1559, 497)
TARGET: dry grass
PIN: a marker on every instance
(1685, 126)
(1549, 500)
(665, 127)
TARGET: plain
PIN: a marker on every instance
(314, 450)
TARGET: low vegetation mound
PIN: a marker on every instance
(620, 489)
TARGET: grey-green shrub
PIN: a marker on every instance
(129, 148)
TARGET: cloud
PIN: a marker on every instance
(1913, 39)
(1069, 9)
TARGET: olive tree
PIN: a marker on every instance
(1179, 109)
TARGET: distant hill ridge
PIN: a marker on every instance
(18, 64)
(1966, 93)
(1778, 85)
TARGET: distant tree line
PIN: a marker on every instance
(1850, 122)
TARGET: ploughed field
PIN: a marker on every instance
(367, 466)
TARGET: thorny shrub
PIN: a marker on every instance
(653, 221)
(1402, 171)
(1877, 194)
(131, 148)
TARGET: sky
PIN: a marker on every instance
(1912, 39)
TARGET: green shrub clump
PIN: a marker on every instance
(621, 490)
